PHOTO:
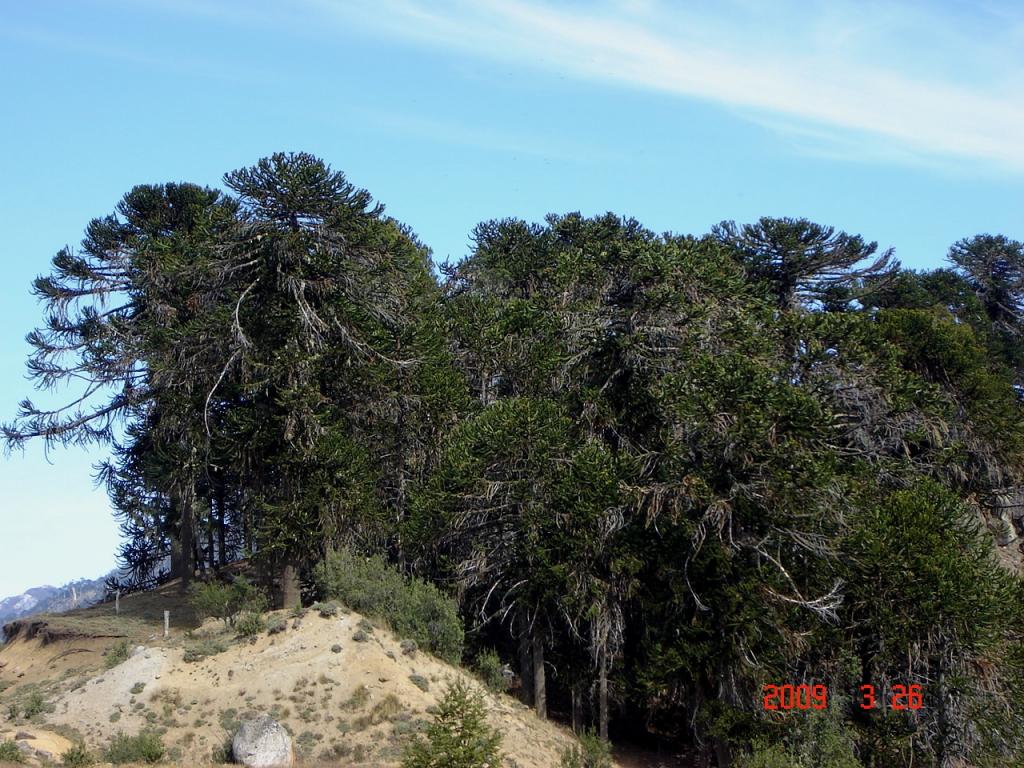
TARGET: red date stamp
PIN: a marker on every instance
(788, 697)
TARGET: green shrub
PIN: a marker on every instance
(360, 636)
(249, 624)
(326, 610)
(138, 688)
(592, 752)
(77, 756)
(819, 739)
(118, 652)
(215, 599)
(202, 649)
(413, 608)
(488, 667)
(276, 625)
(359, 697)
(420, 682)
(9, 752)
(459, 737)
(145, 747)
(409, 647)
(34, 705)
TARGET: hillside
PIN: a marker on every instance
(345, 702)
(49, 599)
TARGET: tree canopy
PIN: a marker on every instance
(658, 471)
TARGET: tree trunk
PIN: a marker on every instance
(577, 708)
(291, 589)
(183, 544)
(210, 557)
(602, 693)
(525, 658)
(222, 558)
(188, 538)
(540, 699)
(175, 534)
(723, 754)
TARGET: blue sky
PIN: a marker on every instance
(901, 121)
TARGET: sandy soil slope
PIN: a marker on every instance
(345, 702)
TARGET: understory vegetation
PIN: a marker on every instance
(639, 476)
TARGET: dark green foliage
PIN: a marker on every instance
(34, 705)
(929, 605)
(459, 736)
(249, 624)
(796, 259)
(412, 607)
(145, 747)
(223, 601)
(592, 752)
(77, 756)
(117, 653)
(487, 665)
(9, 752)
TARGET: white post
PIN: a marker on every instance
(117, 602)
(167, 623)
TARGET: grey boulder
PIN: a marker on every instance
(263, 743)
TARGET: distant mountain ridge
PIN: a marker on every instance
(49, 599)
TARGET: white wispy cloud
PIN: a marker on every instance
(942, 80)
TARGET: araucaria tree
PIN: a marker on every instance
(657, 472)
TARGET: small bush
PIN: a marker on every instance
(145, 747)
(359, 697)
(592, 752)
(420, 682)
(409, 647)
(387, 709)
(249, 624)
(202, 649)
(34, 705)
(215, 599)
(138, 688)
(488, 667)
(276, 625)
(413, 608)
(9, 752)
(77, 756)
(360, 636)
(335, 648)
(326, 610)
(118, 652)
(223, 752)
(459, 737)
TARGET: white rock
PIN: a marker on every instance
(263, 743)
